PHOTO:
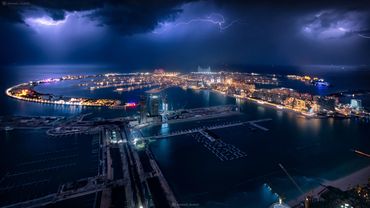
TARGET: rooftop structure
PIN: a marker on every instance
(356, 104)
(279, 204)
(154, 105)
(206, 70)
(143, 110)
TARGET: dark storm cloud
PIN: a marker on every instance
(180, 34)
(298, 5)
(133, 16)
(328, 24)
(56, 14)
(127, 17)
(10, 14)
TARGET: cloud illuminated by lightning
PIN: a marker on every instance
(363, 36)
(214, 18)
(332, 24)
(46, 21)
(342, 29)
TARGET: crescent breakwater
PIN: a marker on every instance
(27, 92)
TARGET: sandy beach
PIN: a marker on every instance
(359, 177)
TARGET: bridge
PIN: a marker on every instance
(252, 123)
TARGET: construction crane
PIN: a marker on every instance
(361, 153)
(291, 178)
(308, 199)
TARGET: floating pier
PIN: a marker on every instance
(219, 148)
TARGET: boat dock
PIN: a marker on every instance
(212, 127)
(219, 148)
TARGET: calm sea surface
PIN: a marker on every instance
(312, 150)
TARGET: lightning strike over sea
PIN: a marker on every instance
(214, 19)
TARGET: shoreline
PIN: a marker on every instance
(271, 105)
(359, 177)
(62, 99)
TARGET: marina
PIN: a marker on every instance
(220, 149)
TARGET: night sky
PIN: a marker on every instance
(183, 34)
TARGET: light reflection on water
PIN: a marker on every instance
(307, 125)
(310, 149)
(261, 109)
(165, 129)
(279, 114)
(206, 97)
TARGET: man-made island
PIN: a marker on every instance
(126, 165)
(265, 89)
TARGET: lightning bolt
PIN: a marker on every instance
(363, 36)
(359, 33)
(215, 19)
(363, 33)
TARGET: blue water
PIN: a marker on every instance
(312, 150)
(34, 164)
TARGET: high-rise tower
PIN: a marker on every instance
(143, 109)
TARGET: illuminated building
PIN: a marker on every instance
(308, 201)
(154, 105)
(130, 104)
(204, 70)
(356, 104)
(143, 109)
(250, 88)
(300, 104)
(165, 104)
(158, 71)
(279, 204)
(315, 107)
(229, 81)
(325, 104)
(321, 84)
